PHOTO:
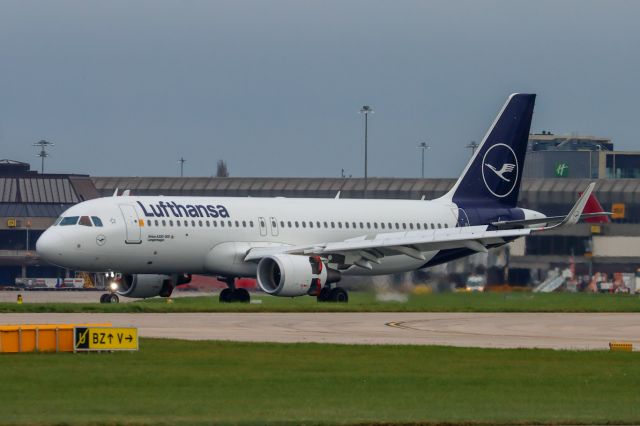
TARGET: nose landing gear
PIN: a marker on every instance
(109, 298)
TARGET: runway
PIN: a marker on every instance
(488, 330)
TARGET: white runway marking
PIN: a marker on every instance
(489, 330)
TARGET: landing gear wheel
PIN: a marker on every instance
(112, 298)
(226, 296)
(241, 295)
(324, 294)
(339, 295)
(103, 298)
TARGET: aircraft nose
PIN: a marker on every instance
(49, 246)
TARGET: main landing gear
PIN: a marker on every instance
(336, 294)
(233, 294)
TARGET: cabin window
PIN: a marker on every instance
(97, 221)
(231, 223)
(318, 224)
(164, 223)
(417, 226)
(71, 220)
(214, 223)
(289, 224)
(382, 225)
(171, 222)
(411, 226)
(439, 226)
(375, 225)
(326, 225)
(282, 224)
(222, 223)
(244, 223)
(446, 225)
(310, 224)
(237, 224)
(390, 225)
(304, 224)
(251, 223)
(404, 225)
(297, 224)
(333, 225)
(368, 225)
(346, 225)
(177, 223)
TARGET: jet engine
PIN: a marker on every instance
(149, 285)
(290, 275)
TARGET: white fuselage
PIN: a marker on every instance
(212, 235)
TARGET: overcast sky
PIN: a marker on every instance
(274, 87)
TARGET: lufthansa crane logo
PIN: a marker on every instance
(500, 170)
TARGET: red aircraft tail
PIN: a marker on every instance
(594, 206)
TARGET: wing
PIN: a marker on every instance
(369, 248)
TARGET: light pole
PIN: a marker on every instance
(423, 146)
(181, 161)
(473, 145)
(366, 110)
(43, 151)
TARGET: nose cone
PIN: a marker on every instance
(49, 246)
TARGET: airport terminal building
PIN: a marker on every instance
(30, 202)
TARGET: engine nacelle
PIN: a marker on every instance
(145, 285)
(291, 275)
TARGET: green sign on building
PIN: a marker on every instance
(562, 170)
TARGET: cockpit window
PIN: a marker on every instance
(85, 221)
(98, 222)
(57, 221)
(71, 220)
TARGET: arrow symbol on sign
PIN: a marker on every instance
(129, 338)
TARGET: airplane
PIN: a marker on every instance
(297, 247)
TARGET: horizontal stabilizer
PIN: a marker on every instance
(510, 224)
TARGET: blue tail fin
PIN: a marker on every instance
(492, 177)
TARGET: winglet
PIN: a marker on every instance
(576, 211)
(337, 197)
(115, 193)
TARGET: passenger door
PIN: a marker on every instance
(132, 224)
(463, 219)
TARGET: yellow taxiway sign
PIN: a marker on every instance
(105, 339)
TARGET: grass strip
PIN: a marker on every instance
(185, 382)
(361, 302)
